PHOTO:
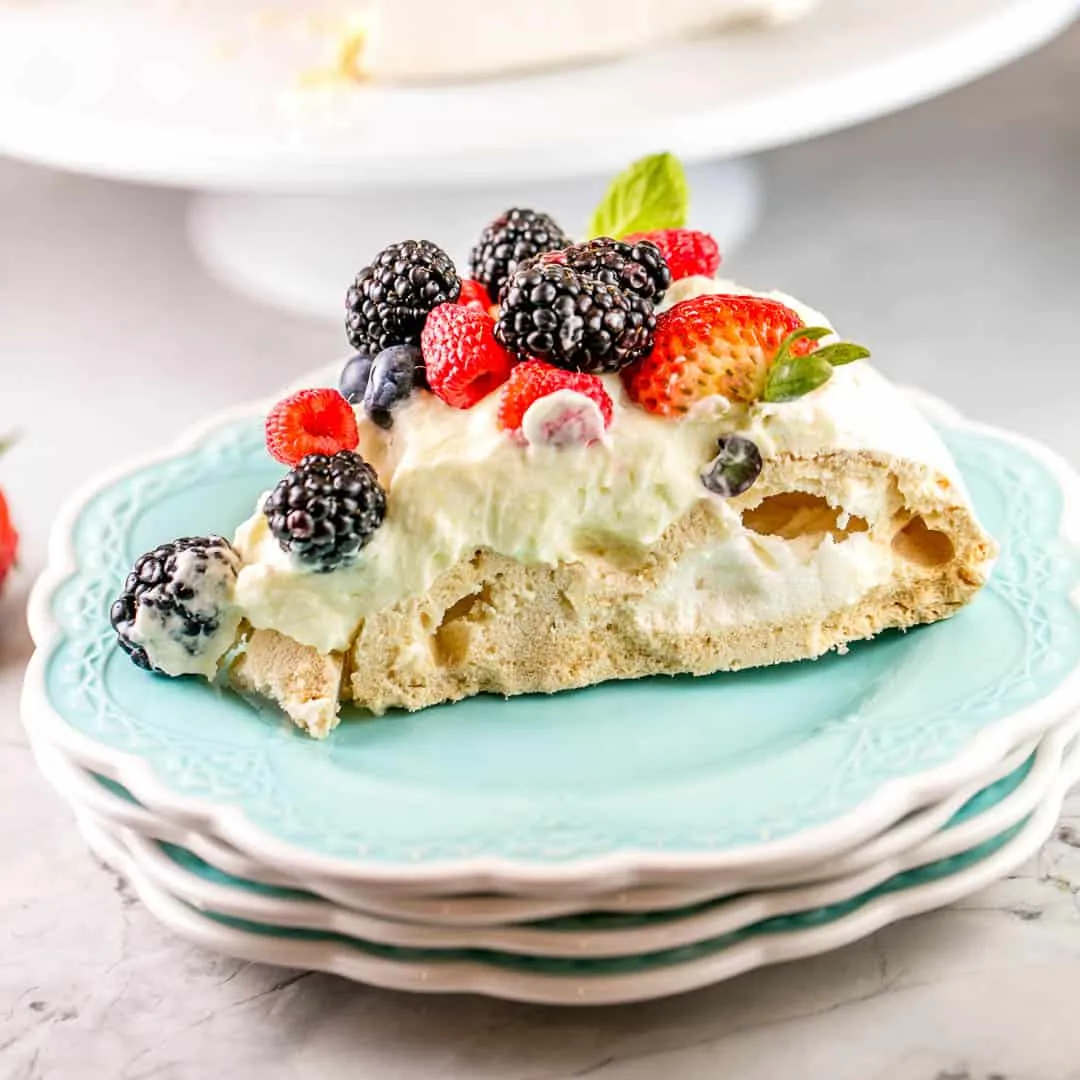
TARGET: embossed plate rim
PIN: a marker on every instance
(79, 788)
(590, 874)
(1054, 755)
(477, 978)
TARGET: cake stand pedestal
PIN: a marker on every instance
(304, 185)
(300, 251)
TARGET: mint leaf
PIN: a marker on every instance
(651, 194)
(790, 379)
(843, 352)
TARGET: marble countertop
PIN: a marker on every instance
(947, 236)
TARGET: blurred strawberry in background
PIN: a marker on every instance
(9, 538)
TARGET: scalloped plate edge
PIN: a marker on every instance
(599, 873)
(1055, 754)
(478, 978)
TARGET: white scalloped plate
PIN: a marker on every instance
(579, 982)
(599, 933)
(112, 807)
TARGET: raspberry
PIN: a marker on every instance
(533, 380)
(9, 541)
(310, 422)
(687, 252)
(474, 295)
(464, 361)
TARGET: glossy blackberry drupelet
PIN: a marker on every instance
(326, 509)
(510, 240)
(550, 312)
(181, 584)
(637, 268)
(390, 299)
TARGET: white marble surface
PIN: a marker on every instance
(947, 237)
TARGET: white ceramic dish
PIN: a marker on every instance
(642, 936)
(476, 976)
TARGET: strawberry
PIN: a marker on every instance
(310, 422)
(464, 361)
(712, 345)
(687, 252)
(9, 541)
(474, 295)
(575, 407)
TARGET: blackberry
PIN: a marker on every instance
(550, 312)
(390, 299)
(637, 268)
(326, 509)
(175, 602)
(511, 239)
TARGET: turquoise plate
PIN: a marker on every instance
(653, 776)
(647, 961)
(593, 921)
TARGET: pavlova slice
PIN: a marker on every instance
(624, 467)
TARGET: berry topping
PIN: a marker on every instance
(354, 378)
(393, 376)
(9, 538)
(176, 612)
(545, 404)
(391, 298)
(636, 268)
(687, 252)
(326, 509)
(550, 312)
(734, 469)
(310, 422)
(711, 345)
(9, 541)
(464, 361)
(511, 239)
(474, 295)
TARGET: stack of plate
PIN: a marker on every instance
(614, 844)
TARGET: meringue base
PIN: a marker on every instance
(492, 624)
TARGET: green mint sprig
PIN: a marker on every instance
(651, 194)
(791, 377)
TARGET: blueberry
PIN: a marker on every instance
(393, 376)
(735, 467)
(354, 378)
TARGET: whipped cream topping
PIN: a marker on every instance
(456, 483)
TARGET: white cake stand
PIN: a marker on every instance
(301, 186)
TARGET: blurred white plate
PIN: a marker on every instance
(198, 95)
